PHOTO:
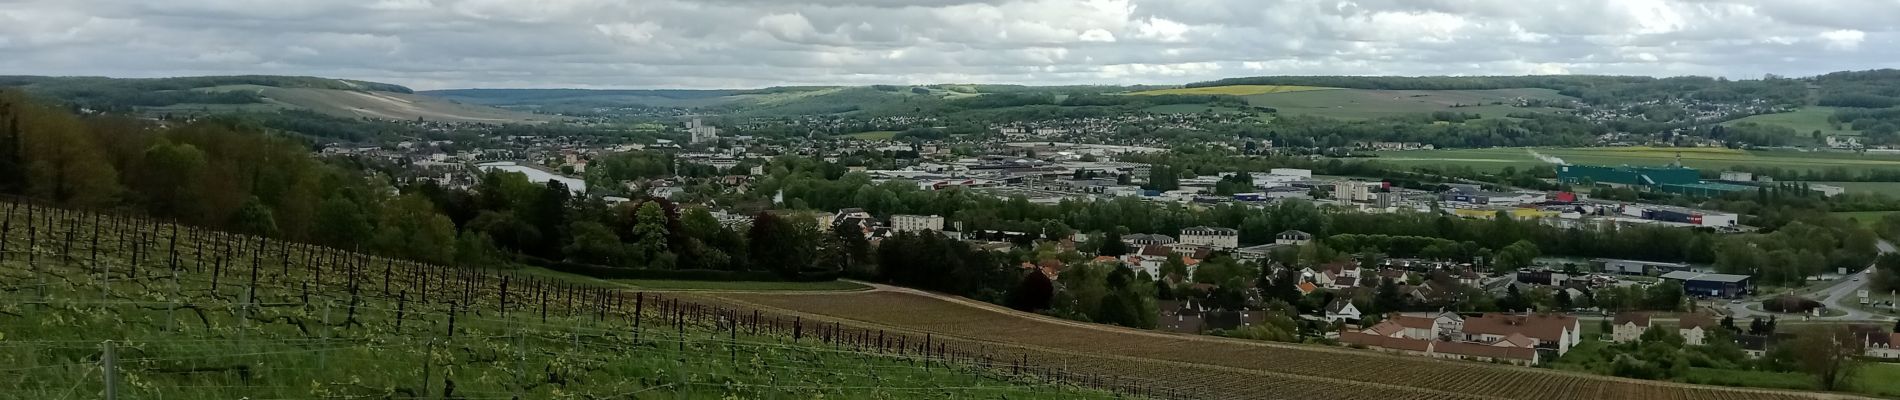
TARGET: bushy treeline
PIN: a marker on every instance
(1529, 130)
(1860, 89)
(1595, 89)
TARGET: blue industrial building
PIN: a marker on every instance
(1711, 285)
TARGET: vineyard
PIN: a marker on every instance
(1226, 368)
(97, 305)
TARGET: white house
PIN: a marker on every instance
(1218, 238)
(1695, 328)
(1629, 327)
(911, 223)
(1293, 238)
(1342, 310)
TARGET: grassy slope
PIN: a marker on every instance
(1803, 121)
(1865, 218)
(1493, 159)
(1365, 103)
(383, 105)
(54, 317)
(1234, 90)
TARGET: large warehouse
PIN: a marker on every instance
(1711, 285)
(1670, 178)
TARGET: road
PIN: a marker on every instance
(1839, 296)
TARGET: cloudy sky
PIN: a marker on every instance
(429, 44)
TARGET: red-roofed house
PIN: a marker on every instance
(1306, 288)
(1557, 332)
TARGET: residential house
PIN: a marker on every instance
(912, 223)
(1342, 310)
(1422, 336)
(1552, 331)
(1292, 238)
(1306, 288)
(1143, 239)
(1179, 316)
(1629, 326)
(1882, 344)
(1695, 328)
(1218, 238)
(1755, 346)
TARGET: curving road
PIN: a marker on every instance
(1839, 296)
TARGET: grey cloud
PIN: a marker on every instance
(750, 43)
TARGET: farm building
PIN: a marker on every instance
(1711, 285)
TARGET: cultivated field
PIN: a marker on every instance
(1803, 121)
(356, 104)
(1234, 90)
(1366, 103)
(100, 306)
(1226, 368)
(1494, 159)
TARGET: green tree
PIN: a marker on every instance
(1518, 255)
(168, 177)
(595, 243)
(649, 232)
(1829, 352)
(255, 218)
(410, 227)
(344, 224)
(1112, 245)
(475, 249)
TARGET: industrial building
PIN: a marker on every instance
(1711, 285)
(1638, 267)
(1670, 179)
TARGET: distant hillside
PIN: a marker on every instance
(585, 97)
(258, 93)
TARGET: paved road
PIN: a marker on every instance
(1839, 296)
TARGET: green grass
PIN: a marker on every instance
(188, 332)
(1879, 379)
(1866, 218)
(873, 135)
(1583, 353)
(1804, 121)
(1494, 159)
(739, 285)
(1364, 103)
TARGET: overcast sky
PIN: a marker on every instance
(433, 44)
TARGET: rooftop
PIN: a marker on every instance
(1699, 276)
